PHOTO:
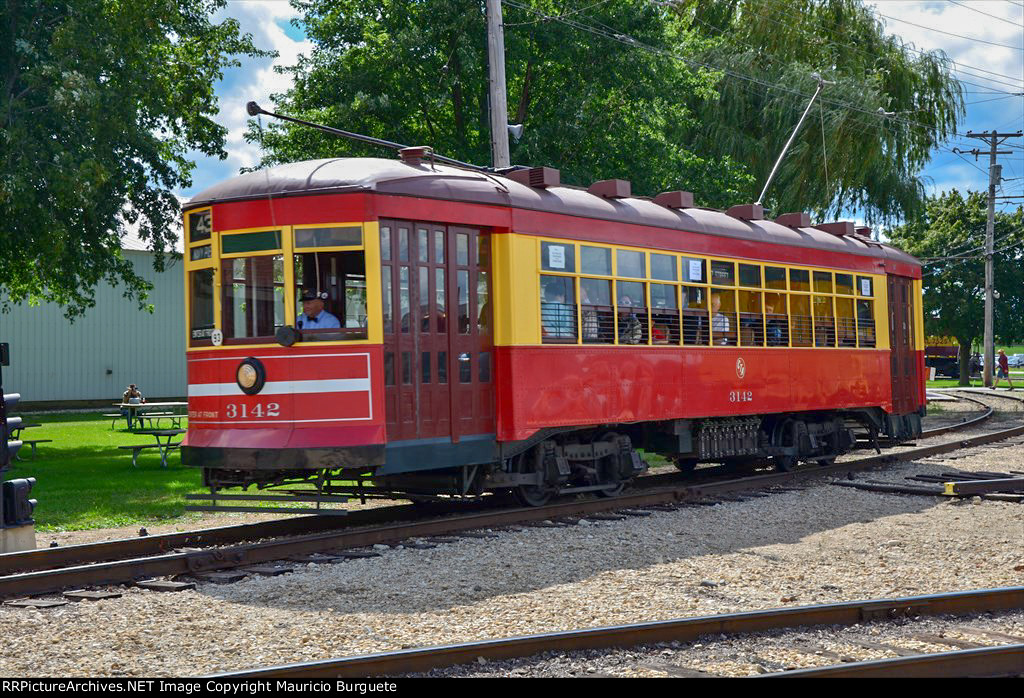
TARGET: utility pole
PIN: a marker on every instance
(499, 98)
(994, 176)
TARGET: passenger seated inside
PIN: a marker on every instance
(557, 314)
(721, 328)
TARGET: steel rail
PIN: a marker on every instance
(679, 630)
(158, 544)
(128, 570)
(1004, 660)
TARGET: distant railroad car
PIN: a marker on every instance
(504, 332)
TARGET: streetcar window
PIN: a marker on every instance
(750, 275)
(598, 314)
(596, 260)
(557, 257)
(694, 270)
(800, 319)
(844, 284)
(250, 242)
(252, 297)
(201, 306)
(630, 298)
(846, 325)
(775, 277)
(695, 315)
(348, 236)
(751, 320)
(631, 264)
(723, 273)
(723, 317)
(342, 276)
(664, 316)
(776, 322)
(823, 282)
(824, 322)
(865, 286)
(865, 323)
(799, 280)
(663, 267)
(557, 310)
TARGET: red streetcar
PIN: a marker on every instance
(496, 331)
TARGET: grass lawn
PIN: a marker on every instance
(84, 481)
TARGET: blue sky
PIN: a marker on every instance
(985, 38)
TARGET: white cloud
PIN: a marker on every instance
(966, 31)
(256, 80)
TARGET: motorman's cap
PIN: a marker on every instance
(310, 294)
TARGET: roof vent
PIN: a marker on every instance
(674, 199)
(795, 220)
(611, 188)
(415, 155)
(747, 212)
(839, 228)
(537, 177)
(863, 231)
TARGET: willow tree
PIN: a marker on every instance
(416, 73)
(768, 50)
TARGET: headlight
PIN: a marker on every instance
(250, 376)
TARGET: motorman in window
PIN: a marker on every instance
(314, 317)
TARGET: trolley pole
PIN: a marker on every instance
(994, 177)
(498, 95)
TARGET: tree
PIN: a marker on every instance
(416, 73)
(950, 239)
(873, 161)
(100, 103)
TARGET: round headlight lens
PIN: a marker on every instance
(247, 376)
(250, 376)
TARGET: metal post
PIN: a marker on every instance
(498, 96)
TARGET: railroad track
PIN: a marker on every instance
(1001, 660)
(47, 571)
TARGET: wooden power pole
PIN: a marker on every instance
(994, 171)
(499, 98)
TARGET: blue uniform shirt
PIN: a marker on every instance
(323, 321)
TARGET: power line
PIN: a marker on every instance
(972, 9)
(959, 36)
(789, 24)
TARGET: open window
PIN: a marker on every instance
(252, 298)
(337, 280)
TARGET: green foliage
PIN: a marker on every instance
(416, 73)
(873, 162)
(950, 238)
(100, 103)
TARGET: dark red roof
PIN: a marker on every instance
(395, 177)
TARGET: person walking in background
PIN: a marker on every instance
(1002, 369)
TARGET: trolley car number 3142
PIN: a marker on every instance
(741, 396)
(272, 409)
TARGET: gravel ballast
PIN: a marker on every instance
(818, 545)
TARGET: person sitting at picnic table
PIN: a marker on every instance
(133, 396)
(314, 316)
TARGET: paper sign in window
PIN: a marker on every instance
(556, 257)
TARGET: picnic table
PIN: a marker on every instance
(164, 443)
(16, 435)
(156, 410)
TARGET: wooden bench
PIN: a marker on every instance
(32, 443)
(164, 449)
(114, 416)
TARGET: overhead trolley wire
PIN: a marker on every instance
(974, 9)
(1018, 82)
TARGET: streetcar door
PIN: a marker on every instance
(431, 282)
(902, 361)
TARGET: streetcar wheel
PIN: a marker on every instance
(613, 490)
(529, 495)
(823, 462)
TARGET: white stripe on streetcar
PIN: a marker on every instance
(339, 385)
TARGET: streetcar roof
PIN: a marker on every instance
(396, 177)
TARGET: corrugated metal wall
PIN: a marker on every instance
(112, 345)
